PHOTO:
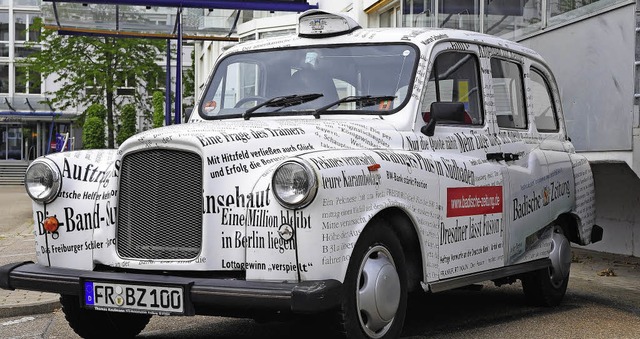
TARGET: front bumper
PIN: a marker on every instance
(207, 295)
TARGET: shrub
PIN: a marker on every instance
(158, 109)
(93, 133)
(128, 123)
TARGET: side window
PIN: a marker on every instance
(454, 78)
(508, 93)
(543, 108)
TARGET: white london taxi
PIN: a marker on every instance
(336, 170)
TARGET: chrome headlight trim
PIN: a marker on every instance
(294, 183)
(43, 180)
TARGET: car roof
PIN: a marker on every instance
(417, 36)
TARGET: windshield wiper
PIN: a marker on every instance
(364, 100)
(283, 101)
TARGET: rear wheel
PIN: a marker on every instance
(375, 287)
(547, 287)
(97, 324)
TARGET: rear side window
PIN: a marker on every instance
(454, 78)
(543, 109)
(509, 94)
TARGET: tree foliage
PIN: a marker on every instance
(91, 69)
(128, 123)
(158, 109)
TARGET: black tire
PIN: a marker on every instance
(97, 324)
(547, 287)
(378, 253)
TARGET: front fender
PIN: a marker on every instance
(355, 186)
(81, 207)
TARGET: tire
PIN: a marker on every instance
(547, 287)
(375, 308)
(98, 324)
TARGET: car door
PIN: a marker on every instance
(526, 165)
(470, 232)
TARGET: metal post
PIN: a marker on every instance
(178, 108)
(167, 85)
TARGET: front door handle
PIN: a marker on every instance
(495, 156)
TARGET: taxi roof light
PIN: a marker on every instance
(320, 24)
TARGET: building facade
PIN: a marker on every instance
(29, 126)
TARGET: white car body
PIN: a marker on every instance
(472, 201)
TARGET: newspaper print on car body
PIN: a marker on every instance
(450, 154)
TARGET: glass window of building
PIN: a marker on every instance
(126, 84)
(24, 3)
(4, 34)
(510, 19)
(4, 78)
(25, 34)
(418, 13)
(28, 81)
(391, 17)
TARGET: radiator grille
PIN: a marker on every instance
(160, 205)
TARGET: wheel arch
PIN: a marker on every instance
(405, 229)
(570, 224)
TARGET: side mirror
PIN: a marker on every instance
(447, 112)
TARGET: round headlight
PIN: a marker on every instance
(294, 184)
(43, 180)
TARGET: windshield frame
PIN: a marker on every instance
(310, 112)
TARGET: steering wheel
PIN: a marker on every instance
(244, 100)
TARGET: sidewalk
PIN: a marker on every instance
(17, 244)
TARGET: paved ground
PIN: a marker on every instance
(16, 244)
(621, 273)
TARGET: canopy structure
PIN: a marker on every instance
(201, 19)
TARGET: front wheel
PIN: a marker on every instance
(547, 287)
(98, 324)
(375, 287)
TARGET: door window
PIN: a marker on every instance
(455, 79)
(508, 93)
(543, 109)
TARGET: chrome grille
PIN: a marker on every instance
(160, 205)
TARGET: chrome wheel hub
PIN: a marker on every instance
(378, 293)
(560, 258)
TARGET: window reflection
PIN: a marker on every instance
(505, 18)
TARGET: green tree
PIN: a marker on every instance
(91, 69)
(128, 123)
(158, 109)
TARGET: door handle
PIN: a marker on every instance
(495, 156)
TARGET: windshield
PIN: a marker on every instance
(307, 80)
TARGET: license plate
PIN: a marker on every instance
(114, 297)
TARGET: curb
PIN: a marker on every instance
(27, 308)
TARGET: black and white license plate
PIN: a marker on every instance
(115, 297)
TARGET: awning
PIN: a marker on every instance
(201, 19)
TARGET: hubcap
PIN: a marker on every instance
(378, 294)
(560, 258)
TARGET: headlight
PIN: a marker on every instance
(294, 184)
(43, 180)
